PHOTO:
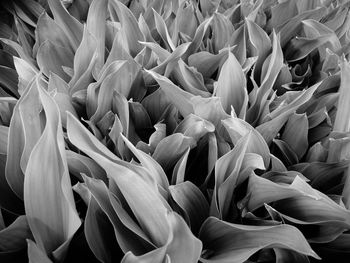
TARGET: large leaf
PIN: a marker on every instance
(48, 196)
(24, 132)
(228, 242)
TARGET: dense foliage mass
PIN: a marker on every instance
(174, 131)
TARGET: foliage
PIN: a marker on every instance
(174, 131)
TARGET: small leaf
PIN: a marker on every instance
(85, 55)
(163, 31)
(180, 98)
(12, 238)
(195, 127)
(232, 87)
(296, 134)
(60, 90)
(52, 57)
(26, 74)
(72, 27)
(96, 19)
(99, 232)
(238, 128)
(178, 143)
(130, 27)
(207, 63)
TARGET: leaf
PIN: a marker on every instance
(48, 29)
(18, 49)
(8, 199)
(12, 238)
(139, 116)
(315, 29)
(52, 57)
(26, 74)
(9, 80)
(144, 202)
(94, 87)
(178, 142)
(301, 204)
(163, 31)
(207, 63)
(192, 202)
(91, 146)
(341, 122)
(185, 21)
(194, 126)
(296, 134)
(190, 79)
(72, 27)
(289, 29)
(60, 93)
(47, 169)
(35, 255)
(3, 139)
(98, 231)
(231, 87)
(273, 67)
(105, 93)
(154, 256)
(171, 63)
(183, 245)
(154, 139)
(180, 98)
(128, 236)
(149, 163)
(228, 242)
(85, 55)
(323, 176)
(227, 176)
(78, 164)
(282, 13)
(261, 43)
(130, 27)
(238, 39)
(222, 30)
(198, 37)
(288, 256)
(96, 19)
(24, 132)
(279, 116)
(261, 190)
(300, 47)
(238, 128)
(180, 169)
